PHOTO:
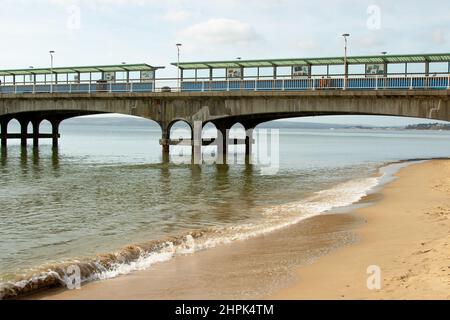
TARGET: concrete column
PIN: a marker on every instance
(222, 144)
(36, 124)
(23, 131)
(165, 142)
(55, 132)
(4, 131)
(197, 142)
(248, 143)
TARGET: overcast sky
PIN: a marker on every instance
(89, 32)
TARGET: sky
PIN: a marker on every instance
(90, 32)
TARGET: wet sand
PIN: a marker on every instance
(250, 269)
(406, 234)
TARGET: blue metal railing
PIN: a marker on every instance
(366, 83)
(77, 88)
(441, 82)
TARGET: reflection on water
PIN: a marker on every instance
(105, 188)
(3, 155)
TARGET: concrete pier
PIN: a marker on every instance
(223, 109)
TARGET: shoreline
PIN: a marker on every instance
(406, 234)
(142, 256)
(337, 233)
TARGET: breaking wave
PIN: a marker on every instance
(142, 256)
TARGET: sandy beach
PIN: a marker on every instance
(406, 234)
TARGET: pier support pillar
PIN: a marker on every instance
(23, 131)
(4, 131)
(36, 124)
(55, 132)
(197, 142)
(248, 144)
(165, 142)
(222, 144)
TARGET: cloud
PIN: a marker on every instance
(221, 31)
(438, 37)
(177, 16)
(370, 41)
(307, 45)
(100, 2)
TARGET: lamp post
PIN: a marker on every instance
(125, 73)
(241, 69)
(385, 64)
(345, 35)
(178, 65)
(31, 76)
(51, 70)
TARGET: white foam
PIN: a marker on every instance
(276, 217)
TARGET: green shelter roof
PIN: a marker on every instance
(321, 61)
(82, 69)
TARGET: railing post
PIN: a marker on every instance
(228, 84)
(203, 86)
(313, 83)
(410, 83)
(256, 84)
(282, 84)
(70, 87)
(376, 82)
(131, 86)
(448, 83)
(34, 88)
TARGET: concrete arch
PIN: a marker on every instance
(180, 127)
(237, 131)
(13, 125)
(45, 124)
(226, 108)
(209, 130)
(178, 123)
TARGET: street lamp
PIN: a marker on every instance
(345, 35)
(178, 64)
(31, 76)
(51, 70)
(125, 77)
(385, 65)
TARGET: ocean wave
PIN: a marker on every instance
(142, 256)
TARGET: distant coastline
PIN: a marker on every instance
(112, 120)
